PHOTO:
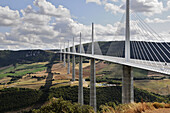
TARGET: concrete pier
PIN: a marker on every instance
(80, 88)
(60, 57)
(60, 53)
(73, 67)
(68, 62)
(73, 62)
(64, 60)
(93, 85)
(68, 59)
(127, 85)
(64, 56)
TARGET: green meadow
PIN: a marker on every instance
(22, 69)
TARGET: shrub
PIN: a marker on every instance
(106, 109)
(167, 105)
(158, 105)
(61, 106)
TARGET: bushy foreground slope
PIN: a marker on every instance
(14, 98)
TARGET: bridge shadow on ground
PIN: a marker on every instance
(45, 89)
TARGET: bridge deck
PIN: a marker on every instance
(142, 64)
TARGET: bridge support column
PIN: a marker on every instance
(60, 57)
(127, 85)
(93, 85)
(73, 68)
(64, 60)
(80, 88)
(68, 61)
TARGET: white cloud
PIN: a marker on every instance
(29, 16)
(114, 0)
(8, 17)
(113, 8)
(95, 1)
(148, 7)
(47, 8)
(165, 36)
(158, 20)
(168, 6)
(43, 28)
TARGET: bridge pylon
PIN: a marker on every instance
(68, 60)
(60, 51)
(127, 85)
(127, 35)
(80, 88)
(93, 76)
(127, 78)
(73, 62)
(64, 55)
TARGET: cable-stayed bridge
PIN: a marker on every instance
(159, 67)
(138, 46)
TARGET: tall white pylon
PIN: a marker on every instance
(80, 90)
(68, 59)
(73, 61)
(127, 37)
(93, 76)
(64, 55)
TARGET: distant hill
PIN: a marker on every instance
(8, 57)
(116, 48)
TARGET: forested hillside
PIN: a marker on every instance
(14, 98)
(8, 57)
(105, 95)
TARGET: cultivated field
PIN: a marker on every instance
(157, 86)
(37, 74)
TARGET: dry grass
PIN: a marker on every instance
(5, 80)
(161, 87)
(134, 107)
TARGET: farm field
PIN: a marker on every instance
(61, 78)
(156, 86)
(37, 70)
(21, 75)
(22, 69)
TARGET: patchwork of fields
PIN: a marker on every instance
(34, 76)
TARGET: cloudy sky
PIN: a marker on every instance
(40, 24)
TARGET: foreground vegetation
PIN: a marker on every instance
(132, 107)
(16, 98)
(61, 106)
(105, 95)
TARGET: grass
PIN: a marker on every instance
(157, 86)
(22, 69)
(117, 71)
(30, 83)
(7, 69)
(133, 107)
(140, 72)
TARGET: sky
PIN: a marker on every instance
(42, 24)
